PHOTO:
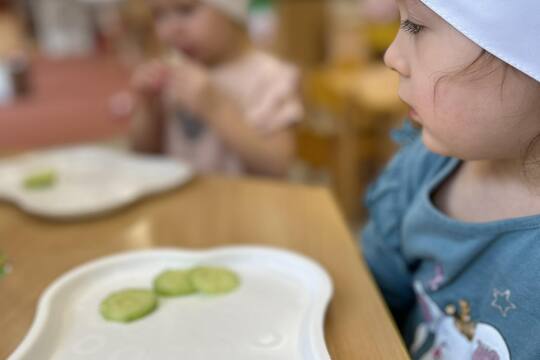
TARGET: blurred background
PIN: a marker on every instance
(65, 67)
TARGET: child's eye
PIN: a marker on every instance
(411, 27)
(185, 9)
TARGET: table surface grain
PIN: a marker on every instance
(208, 212)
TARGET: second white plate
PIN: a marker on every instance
(91, 180)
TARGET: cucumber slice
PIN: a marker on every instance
(214, 280)
(3, 265)
(128, 305)
(41, 180)
(173, 283)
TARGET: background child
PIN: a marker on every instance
(454, 230)
(222, 105)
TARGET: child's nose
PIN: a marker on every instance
(393, 58)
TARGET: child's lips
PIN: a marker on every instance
(188, 51)
(413, 114)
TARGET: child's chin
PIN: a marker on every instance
(435, 146)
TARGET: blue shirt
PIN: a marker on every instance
(457, 290)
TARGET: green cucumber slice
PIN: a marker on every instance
(128, 305)
(40, 180)
(214, 280)
(173, 283)
(3, 265)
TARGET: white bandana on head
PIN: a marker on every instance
(237, 9)
(509, 29)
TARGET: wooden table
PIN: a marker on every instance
(208, 212)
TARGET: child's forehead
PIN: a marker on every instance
(411, 5)
(417, 9)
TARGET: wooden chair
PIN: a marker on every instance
(350, 113)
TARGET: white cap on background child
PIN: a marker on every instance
(508, 29)
(237, 9)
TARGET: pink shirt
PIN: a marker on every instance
(265, 88)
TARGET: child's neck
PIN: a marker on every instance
(482, 191)
(501, 170)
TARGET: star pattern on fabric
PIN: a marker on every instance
(501, 301)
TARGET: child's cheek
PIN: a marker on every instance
(441, 116)
(451, 105)
(423, 99)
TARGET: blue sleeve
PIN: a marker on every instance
(387, 201)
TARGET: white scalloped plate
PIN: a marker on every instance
(91, 180)
(276, 314)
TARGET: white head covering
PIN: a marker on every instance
(509, 29)
(237, 9)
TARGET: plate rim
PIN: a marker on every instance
(315, 323)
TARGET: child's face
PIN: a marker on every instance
(194, 28)
(471, 116)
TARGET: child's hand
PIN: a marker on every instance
(190, 88)
(149, 79)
